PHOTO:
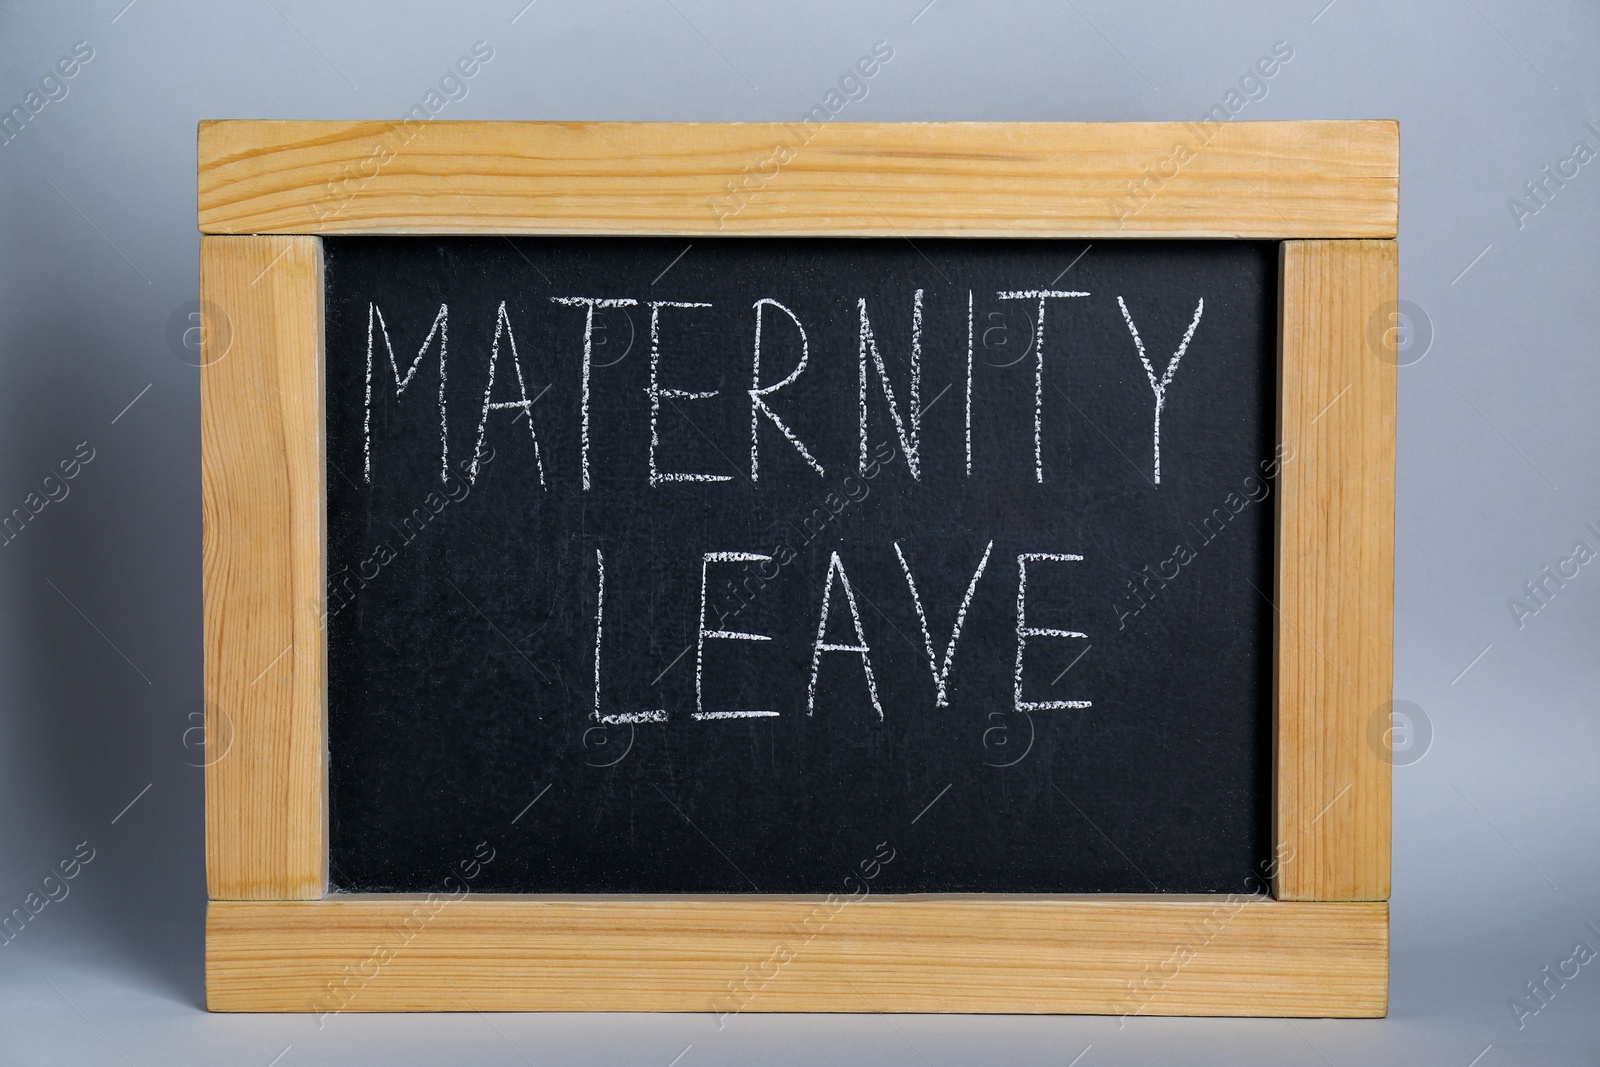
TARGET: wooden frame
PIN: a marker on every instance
(276, 942)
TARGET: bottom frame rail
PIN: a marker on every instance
(1190, 955)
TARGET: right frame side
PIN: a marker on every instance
(1334, 597)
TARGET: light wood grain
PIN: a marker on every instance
(1013, 954)
(1335, 594)
(272, 946)
(261, 430)
(1238, 179)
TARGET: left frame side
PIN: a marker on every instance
(262, 473)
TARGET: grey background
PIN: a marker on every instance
(1496, 868)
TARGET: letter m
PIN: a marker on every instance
(378, 332)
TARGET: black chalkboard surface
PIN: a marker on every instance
(665, 567)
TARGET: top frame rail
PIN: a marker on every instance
(1206, 179)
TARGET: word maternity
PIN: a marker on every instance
(839, 608)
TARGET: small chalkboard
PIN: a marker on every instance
(735, 554)
(728, 567)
